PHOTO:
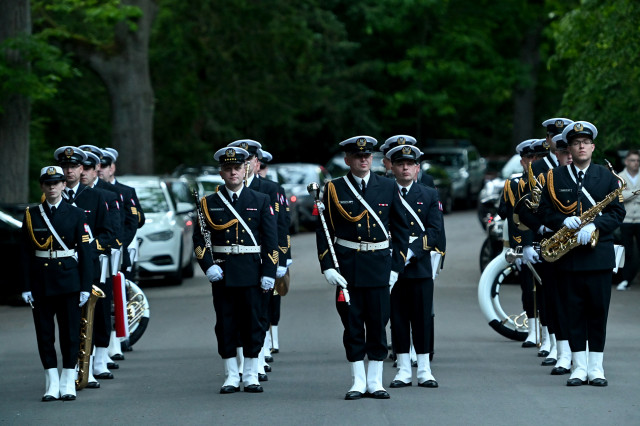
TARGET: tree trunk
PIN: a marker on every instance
(15, 19)
(525, 93)
(126, 76)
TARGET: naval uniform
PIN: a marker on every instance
(56, 278)
(365, 268)
(586, 271)
(237, 297)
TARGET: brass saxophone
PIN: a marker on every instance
(566, 239)
(86, 334)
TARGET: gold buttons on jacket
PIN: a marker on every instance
(46, 264)
(359, 225)
(249, 219)
(419, 210)
(359, 238)
(380, 212)
(227, 241)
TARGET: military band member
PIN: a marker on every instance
(569, 192)
(241, 266)
(108, 173)
(412, 296)
(394, 141)
(361, 209)
(102, 235)
(57, 280)
(554, 126)
(630, 229)
(514, 189)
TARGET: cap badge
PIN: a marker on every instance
(559, 123)
(545, 144)
(406, 150)
(68, 152)
(244, 145)
(401, 141)
(51, 171)
(230, 152)
(361, 142)
(578, 127)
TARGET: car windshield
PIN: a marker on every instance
(447, 159)
(152, 199)
(512, 167)
(209, 188)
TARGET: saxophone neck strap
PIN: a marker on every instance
(583, 189)
(237, 215)
(366, 206)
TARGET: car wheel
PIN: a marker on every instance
(447, 206)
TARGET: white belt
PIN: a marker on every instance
(362, 246)
(236, 249)
(412, 239)
(55, 254)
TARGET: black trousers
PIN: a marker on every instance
(630, 231)
(238, 312)
(526, 285)
(102, 322)
(411, 308)
(365, 322)
(274, 309)
(554, 303)
(588, 294)
(66, 311)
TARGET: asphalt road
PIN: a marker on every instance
(174, 373)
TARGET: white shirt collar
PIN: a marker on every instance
(74, 189)
(230, 192)
(408, 187)
(54, 205)
(359, 179)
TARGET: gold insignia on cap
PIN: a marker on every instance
(401, 141)
(68, 152)
(230, 152)
(578, 127)
(51, 171)
(361, 142)
(545, 144)
(406, 150)
(244, 145)
(559, 123)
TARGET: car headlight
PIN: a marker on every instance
(160, 236)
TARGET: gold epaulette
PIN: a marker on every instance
(508, 194)
(541, 179)
(47, 243)
(522, 186)
(563, 209)
(205, 210)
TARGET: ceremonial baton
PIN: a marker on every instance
(314, 190)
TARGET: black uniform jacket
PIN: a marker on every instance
(51, 277)
(272, 189)
(424, 202)
(542, 166)
(128, 216)
(560, 200)
(133, 204)
(95, 207)
(514, 189)
(347, 219)
(240, 270)
(284, 225)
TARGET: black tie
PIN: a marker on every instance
(580, 176)
(364, 186)
(53, 210)
(404, 192)
(70, 194)
(234, 198)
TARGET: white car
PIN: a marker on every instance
(207, 184)
(166, 250)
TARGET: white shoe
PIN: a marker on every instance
(275, 346)
(553, 351)
(578, 369)
(564, 354)
(51, 385)
(232, 376)
(115, 349)
(100, 360)
(425, 378)
(68, 384)
(250, 372)
(92, 382)
(240, 358)
(359, 378)
(374, 380)
(403, 376)
(623, 285)
(595, 370)
(531, 340)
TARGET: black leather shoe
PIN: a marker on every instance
(414, 363)
(528, 344)
(543, 354)
(229, 389)
(268, 358)
(267, 368)
(93, 385)
(599, 382)
(560, 371)
(548, 362)
(576, 382)
(399, 384)
(113, 365)
(49, 398)
(428, 384)
(68, 397)
(351, 395)
(379, 394)
(253, 389)
(275, 350)
(103, 376)
(262, 377)
(118, 357)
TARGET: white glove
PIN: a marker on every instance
(529, 255)
(267, 283)
(409, 256)
(214, 273)
(543, 229)
(393, 277)
(518, 263)
(334, 278)
(289, 262)
(572, 222)
(584, 235)
(84, 296)
(281, 271)
(27, 297)
(320, 206)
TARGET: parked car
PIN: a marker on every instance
(166, 250)
(491, 192)
(207, 184)
(294, 178)
(10, 235)
(464, 165)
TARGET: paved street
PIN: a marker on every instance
(174, 373)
